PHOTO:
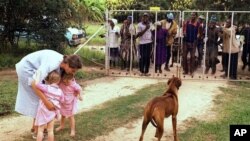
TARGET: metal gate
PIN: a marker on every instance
(204, 48)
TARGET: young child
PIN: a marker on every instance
(45, 117)
(71, 92)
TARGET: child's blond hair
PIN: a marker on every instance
(53, 77)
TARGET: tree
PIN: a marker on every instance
(44, 21)
(91, 10)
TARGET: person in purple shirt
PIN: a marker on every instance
(161, 49)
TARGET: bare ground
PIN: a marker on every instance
(95, 92)
(196, 101)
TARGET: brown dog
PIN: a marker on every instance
(160, 107)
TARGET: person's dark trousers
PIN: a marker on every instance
(245, 54)
(223, 59)
(211, 57)
(200, 45)
(144, 62)
(114, 52)
(233, 65)
(189, 47)
(168, 56)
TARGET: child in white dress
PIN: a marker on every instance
(68, 109)
(44, 116)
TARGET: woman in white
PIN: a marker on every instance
(36, 66)
(113, 41)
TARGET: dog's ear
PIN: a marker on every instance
(169, 80)
(178, 82)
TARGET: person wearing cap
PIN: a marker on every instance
(212, 45)
(171, 26)
(200, 41)
(113, 41)
(127, 33)
(145, 43)
(191, 28)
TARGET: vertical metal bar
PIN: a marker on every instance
(179, 45)
(156, 14)
(107, 48)
(230, 47)
(131, 44)
(205, 48)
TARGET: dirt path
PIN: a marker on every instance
(96, 92)
(197, 95)
(195, 101)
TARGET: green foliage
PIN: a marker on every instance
(181, 4)
(8, 93)
(222, 5)
(119, 4)
(8, 61)
(137, 4)
(92, 57)
(91, 10)
(81, 75)
(43, 21)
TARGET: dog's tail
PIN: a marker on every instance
(153, 122)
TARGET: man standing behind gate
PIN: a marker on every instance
(169, 24)
(212, 45)
(145, 44)
(191, 28)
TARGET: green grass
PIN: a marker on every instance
(91, 28)
(8, 91)
(110, 115)
(232, 107)
(89, 57)
(81, 75)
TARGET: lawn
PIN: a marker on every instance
(232, 107)
(91, 28)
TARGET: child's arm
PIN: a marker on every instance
(40, 94)
(77, 89)
(80, 97)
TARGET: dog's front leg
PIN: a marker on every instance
(174, 120)
(156, 133)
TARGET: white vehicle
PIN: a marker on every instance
(75, 36)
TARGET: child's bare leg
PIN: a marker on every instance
(40, 133)
(50, 129)
(34, 128)
(72, 126)
(61, 124)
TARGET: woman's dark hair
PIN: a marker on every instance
(74, 61)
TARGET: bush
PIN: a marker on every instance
(8, 61)
(88, 75)
(8, 96)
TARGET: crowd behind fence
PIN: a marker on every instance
(203, 44)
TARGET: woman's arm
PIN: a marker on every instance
(40, 94)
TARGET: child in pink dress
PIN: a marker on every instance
(71, 92)
(45, 117)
